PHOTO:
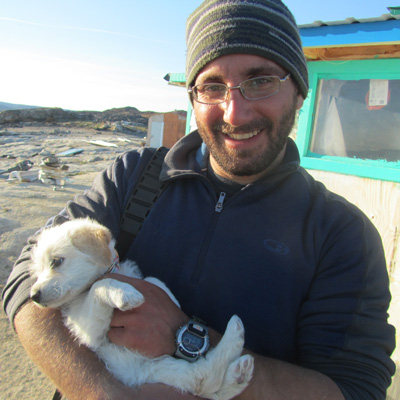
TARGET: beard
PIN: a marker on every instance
(252, 161)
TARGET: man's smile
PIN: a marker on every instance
(242, 136)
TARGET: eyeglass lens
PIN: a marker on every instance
(251, 89)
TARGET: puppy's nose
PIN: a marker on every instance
(36, 297)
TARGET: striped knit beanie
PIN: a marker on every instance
(261, 27)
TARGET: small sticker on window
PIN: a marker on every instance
(378, 92)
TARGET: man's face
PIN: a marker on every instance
(246, 138)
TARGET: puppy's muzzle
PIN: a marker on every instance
(36, 297)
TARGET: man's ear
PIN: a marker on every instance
(300, 101)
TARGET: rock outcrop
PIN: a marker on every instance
(127, 119)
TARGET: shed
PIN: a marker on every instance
(348, 131)
(349, 127)
(166, 129)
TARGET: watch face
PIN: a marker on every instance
(191, 342)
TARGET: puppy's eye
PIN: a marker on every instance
(56, 262)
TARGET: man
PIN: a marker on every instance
(239, 229)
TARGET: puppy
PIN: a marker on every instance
(69, 259)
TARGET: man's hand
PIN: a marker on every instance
(150, 328)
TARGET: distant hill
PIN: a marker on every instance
(125, 119)
(11, 106)
(55, 115)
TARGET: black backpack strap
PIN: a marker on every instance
(147, 190)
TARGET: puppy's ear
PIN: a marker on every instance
(93, 241)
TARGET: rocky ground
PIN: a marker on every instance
(25, 207)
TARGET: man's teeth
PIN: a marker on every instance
(242, 136)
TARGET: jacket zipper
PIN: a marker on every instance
(200, 262)
(220, 203)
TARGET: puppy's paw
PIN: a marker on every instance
(240, 371)
(225, 372)
(231, 344)
(235, 328)
(126, 298)
(237, 377)
(118, 294)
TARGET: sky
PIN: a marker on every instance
(103, 54)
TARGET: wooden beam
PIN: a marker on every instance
(352, 52)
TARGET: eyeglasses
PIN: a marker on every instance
(251, 89)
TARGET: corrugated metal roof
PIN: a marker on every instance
(351, 20)
(352, 32)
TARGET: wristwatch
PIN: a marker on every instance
(192, 341)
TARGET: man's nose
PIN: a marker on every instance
(237, 110)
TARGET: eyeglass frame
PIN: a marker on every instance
(229, 88)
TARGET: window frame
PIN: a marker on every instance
(344, 70)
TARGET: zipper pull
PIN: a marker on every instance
(220, 204)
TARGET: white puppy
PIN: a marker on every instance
(68, 261)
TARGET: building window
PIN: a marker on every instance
(350, 122)
(357, 119)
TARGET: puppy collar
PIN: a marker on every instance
(114, 266)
